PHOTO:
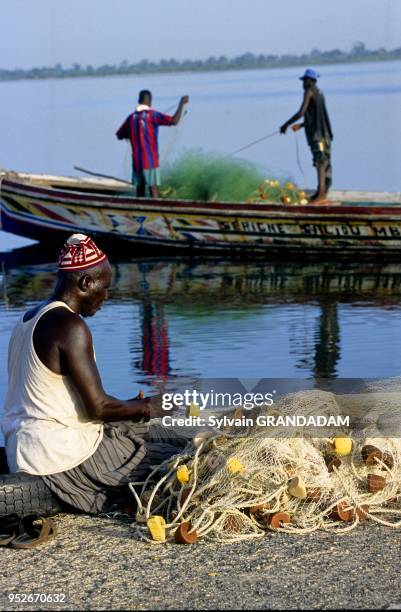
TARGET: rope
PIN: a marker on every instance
(170, 108)
(251, 144)
(298, 156)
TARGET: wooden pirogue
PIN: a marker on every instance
(46, 208)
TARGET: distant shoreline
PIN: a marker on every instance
(248, 61)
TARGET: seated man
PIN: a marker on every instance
(58, 421)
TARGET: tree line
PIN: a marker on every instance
(358, 53)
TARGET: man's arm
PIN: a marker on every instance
(304, 107)
(123, 131)
(178, 113)
(76, 352)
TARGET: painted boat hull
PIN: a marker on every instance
(48, 209)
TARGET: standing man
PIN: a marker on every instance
(141, 128)
(317, 129)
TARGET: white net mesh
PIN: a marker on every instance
(239, 484)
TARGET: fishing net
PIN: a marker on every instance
(210, 178)
(171, 140)
(239, 484)
(126, 163)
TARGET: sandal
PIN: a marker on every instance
(34, 530)
(9, 528)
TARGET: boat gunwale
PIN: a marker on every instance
(334, 210)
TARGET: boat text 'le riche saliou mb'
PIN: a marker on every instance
(47, 208)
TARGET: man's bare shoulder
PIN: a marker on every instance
(309, 94)
(63, 324)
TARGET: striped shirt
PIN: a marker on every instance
(141, 129)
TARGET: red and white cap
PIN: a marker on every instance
(79, 253)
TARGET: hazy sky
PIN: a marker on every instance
(45, 32)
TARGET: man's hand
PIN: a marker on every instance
(297, 127)
(283, 128)
(178, 113)
(153, 407)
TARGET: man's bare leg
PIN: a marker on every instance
(154, 191)
(321, 184)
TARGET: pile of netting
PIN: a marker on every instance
(212, 178)
(239, 483)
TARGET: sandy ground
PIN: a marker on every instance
(99, 565)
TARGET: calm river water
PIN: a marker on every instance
(168, 320)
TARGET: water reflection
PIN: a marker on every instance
(327, 346)
(188, 293)
(155, 346)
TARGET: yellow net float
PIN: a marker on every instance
(157, 528)
(183, 474)
(342, 446)
(234, 466)
(193, 410)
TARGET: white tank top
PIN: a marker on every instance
(45, 425)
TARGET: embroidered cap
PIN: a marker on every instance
(79, 253)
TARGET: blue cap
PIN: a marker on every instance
(310, 74)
